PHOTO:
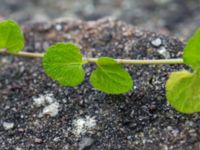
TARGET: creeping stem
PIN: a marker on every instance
(141, 62)
(94, 60)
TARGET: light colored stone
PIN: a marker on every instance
(162, 51)
(85, 142)
(82, 125)
(8, 125)
(157, 42)
(51, 109)
(43, 99)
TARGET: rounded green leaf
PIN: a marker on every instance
(11, 36)
(183, 91)
(191, 55)
(63, 62)
(110, 77)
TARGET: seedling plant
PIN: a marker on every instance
(63, 62)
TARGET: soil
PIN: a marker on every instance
(84, 118)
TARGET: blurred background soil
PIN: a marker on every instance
(170, 17)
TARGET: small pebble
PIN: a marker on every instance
(8, 125)
(51, 109)
(18, 148)
(21, 130)
(43, 99)
(85, 142)
(157, 42)
(175, 132)
(58, 27)
(66, 147)
(82, 125)
(129, 137)
(39, 101)
(162, 51)
(38, 141)
(56, 139)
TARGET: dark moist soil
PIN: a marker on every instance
(140, 119)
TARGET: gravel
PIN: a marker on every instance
(140, 119)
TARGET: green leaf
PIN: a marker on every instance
(11, 36)
(191, 54)
(110, 77)
(63, 62)
(183, 91)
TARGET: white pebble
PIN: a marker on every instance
(175, 132)
(39, 101)
(66, 147)
(58, 27)
(157, 42)
(85, 142)
(8, 125)
(4, 60)
(49, 98)
(162, 51)
(18, 148)
(51, 109)
(43, 99)
(82, 125)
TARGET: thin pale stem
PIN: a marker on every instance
(94, 60)
(141, 62)
(24, 54)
